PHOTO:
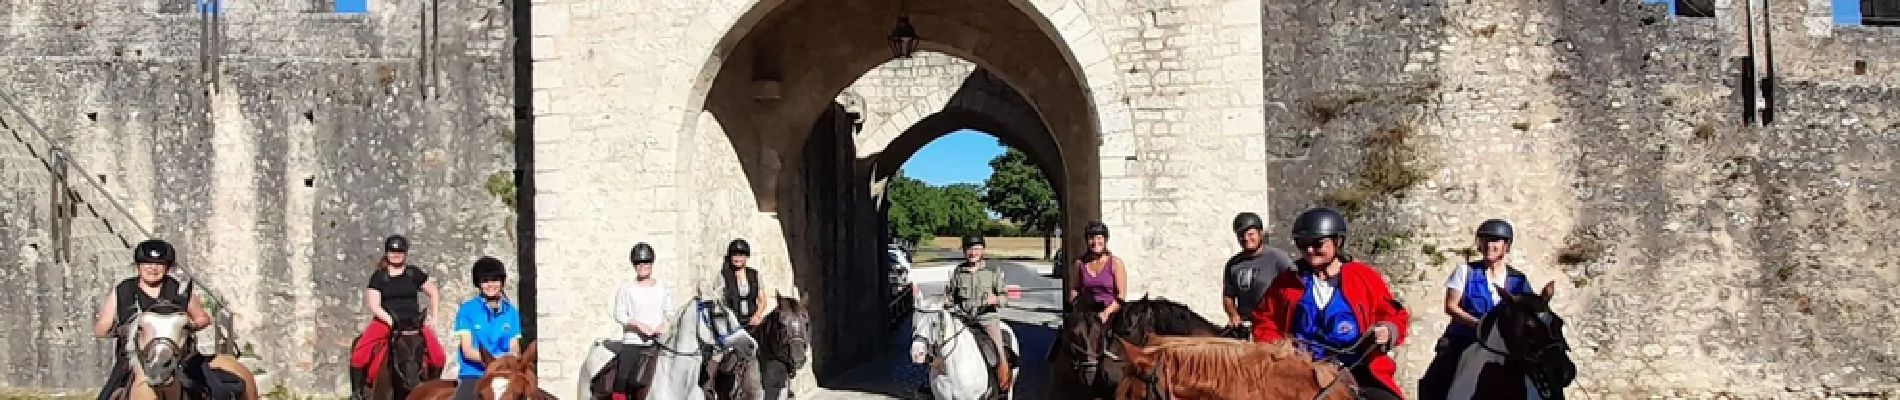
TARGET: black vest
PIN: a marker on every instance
(131, 299)
(744, 304)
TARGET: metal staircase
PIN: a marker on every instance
(83, 235)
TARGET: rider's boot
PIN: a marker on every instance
(359, 383)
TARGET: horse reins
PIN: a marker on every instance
(1343, 372)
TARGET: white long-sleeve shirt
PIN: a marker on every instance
(648, 305)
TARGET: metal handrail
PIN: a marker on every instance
(223, 335)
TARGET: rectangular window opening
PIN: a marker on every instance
(1871, 12)
(1693, 8)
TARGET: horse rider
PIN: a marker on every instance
(1471, 292)
(742, 285)
(392, 297)
(152, 285)
(488, 323)
(1334, 306)
(1250, 271)
(977, 288)
(1099, 274)
(640, 308)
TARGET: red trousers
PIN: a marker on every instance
(373, 346)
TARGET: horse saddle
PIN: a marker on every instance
(643, 359)
(987, 347)
(200, 378)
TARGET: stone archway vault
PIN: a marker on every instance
(685, 153)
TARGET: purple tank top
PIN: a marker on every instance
(1101, 286)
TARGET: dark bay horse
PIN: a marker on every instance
(1087, 346)
(783, 337)
(1521, 353)
(403, 368)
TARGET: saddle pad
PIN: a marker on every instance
(200, 377)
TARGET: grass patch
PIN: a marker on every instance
(1487, 31)
(1432, 250)
(1581, 250)
(501, 184)
(1391, 167)
(1387, 244)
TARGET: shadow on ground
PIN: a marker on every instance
(892, 375)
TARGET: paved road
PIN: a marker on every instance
(1034, 317)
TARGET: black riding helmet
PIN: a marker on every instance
(1248, 220)
(642, 253)
(1319, 223)
(1095, 228)
(973, 240)
(739, 247)
(487, 269)
(1495, 229)
(396, 244)
(154, 251)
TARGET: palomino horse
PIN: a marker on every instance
(784, 337)
(509, 377)
(161, 361)
(403, 368)
(1085, 344)
(946, 341)
(1521, 353)
(702, 329)
(1222, 368)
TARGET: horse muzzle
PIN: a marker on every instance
(160, 361)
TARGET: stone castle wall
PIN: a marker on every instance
(1694, 256)
(321, 136)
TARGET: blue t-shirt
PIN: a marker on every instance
(491, 330)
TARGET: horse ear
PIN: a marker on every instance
(1505, 296)
(1550, 289)
(530, 354)
(486, 358)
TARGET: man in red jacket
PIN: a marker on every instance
(1335, 307)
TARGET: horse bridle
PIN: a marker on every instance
(937, 348)
(1155, 388)
(1527, 363)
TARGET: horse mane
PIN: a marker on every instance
(1162, 317)
(1218, 367)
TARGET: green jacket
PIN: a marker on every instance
(969, 287)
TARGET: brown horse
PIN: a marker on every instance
(1223, 368)
(509, 377)
(403, 369)
(1086, 345)
(161, 358)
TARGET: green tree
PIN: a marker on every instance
(1018, 191)
(963, 210)
(915, 211)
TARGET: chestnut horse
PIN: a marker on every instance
(509, 377)
(1221, 368)
(1085, 344)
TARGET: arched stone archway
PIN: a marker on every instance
(819, 196)
(659, 123)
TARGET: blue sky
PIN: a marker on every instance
(1846, 12)
(960, 157)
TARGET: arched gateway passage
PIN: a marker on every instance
(798, 152)
(730, 127)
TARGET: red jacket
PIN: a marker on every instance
(1371, 301)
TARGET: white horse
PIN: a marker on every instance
(942, 341)
(702, 328)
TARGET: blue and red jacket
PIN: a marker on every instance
(1365, 293)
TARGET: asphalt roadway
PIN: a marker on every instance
(1034, 318)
